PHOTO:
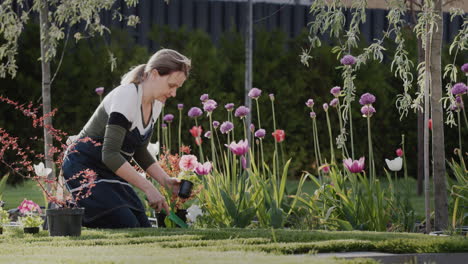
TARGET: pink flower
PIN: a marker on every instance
(99, 90)
(325, 168)
(28, 206)
(354, 166)
(240, 148)
(399, 152)
(188, 162)
(203, 169)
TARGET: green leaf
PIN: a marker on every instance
(230, 205)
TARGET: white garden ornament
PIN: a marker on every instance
(395, 164)
(41, 170)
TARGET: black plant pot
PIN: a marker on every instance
(64, 221)
(1, 230)
(185, 189)
(31, 230)
(181, 213)
(160, 217)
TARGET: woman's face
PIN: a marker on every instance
(166, 86)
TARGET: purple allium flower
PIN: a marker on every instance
(335, 91)
(164, 125)
(367, 110)
(260, 133)
(240, 148)
(252, 127)
(325, 107)
(195, 112)
(226, 127)
(310, 103)
(204, 97)
(334, 102)
(255, 93)
(168, 118)
(459, 102)
(229, 106)
(348, 60)
(209, 105)
(208, 134)
(313, 115)
(272, 97)
(454, 107)
(99, 90)
(241, 111)
(367, 99)
(215, 124)
(180, 106)
(459, 88)
(464, 68)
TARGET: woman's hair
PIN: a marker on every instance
(165, 61)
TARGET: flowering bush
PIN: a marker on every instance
(51, 186)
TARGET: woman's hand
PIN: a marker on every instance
(173, 185)
(156, 200)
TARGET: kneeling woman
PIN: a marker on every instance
(123, 124)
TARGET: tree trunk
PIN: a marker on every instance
(420, 131)
(438, 144)
(46, 100)
(427, 91)
(248, 70)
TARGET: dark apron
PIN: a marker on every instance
(111, 191)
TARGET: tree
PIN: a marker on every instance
(55, 16)
(329, 19)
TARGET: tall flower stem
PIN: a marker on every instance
(318, 142)
(330, 135)
(371, 155)
(213, 148)
(221, 160)
(459, 132)
(351, 130)
(316, 147)
(261, 141)
(169, 136)
(404, 156)
(231, 119)
(276, 156)
(344, 150)
(199, 145)
(180, 132)
(464, 113)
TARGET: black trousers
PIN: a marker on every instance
(123, 217)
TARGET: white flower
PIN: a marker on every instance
(193, 212)
(41, 171)
(395, 164)
(153, 149)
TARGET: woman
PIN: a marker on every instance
(123, 124)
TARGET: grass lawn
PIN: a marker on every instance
(211, 246)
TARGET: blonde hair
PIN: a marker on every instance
(165, 61)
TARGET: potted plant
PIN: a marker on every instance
(31, 223)
(183, 168)
(3, 219)
(63, 215)
(30, 216)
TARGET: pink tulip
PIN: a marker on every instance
(399, 152)
(188, 162)
(240, 148)
(203, 169)
(354, 166)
